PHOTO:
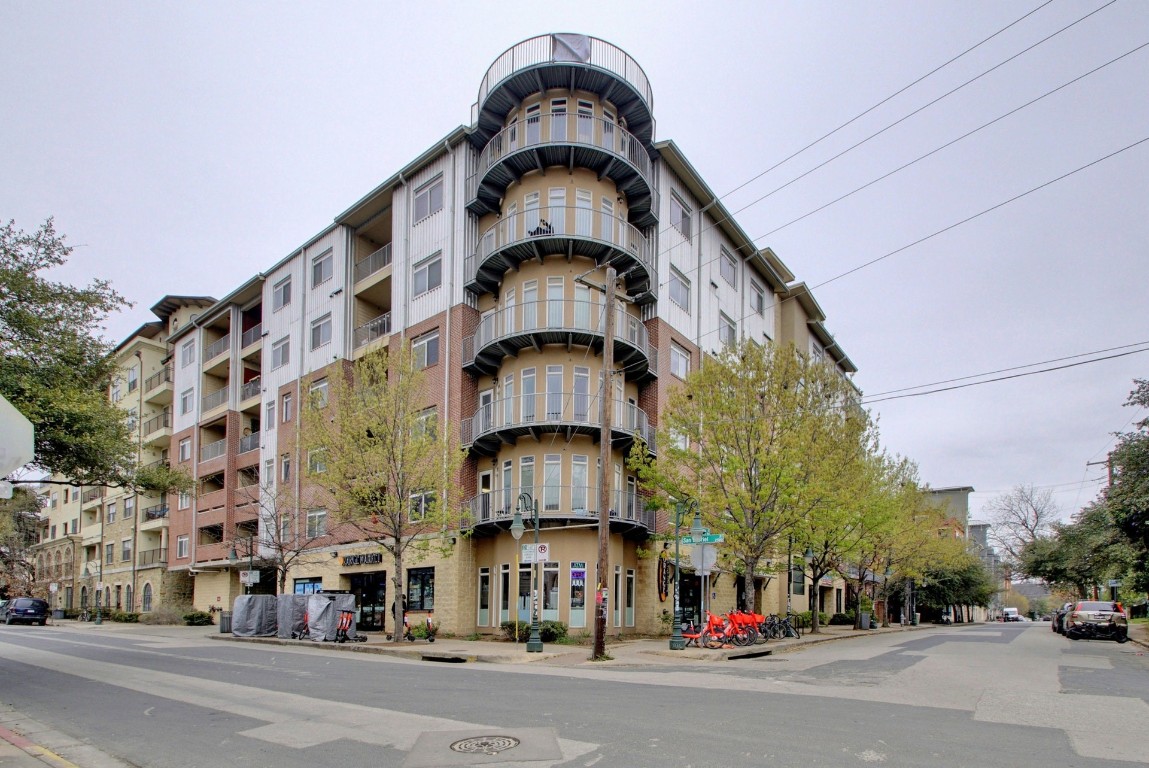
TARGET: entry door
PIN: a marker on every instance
(484, 617)
(486, 412)
(484, 510)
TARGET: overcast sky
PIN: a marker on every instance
(184, 147)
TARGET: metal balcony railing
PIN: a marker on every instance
(156, 423)
(560, 501)
(215, 399)
(565, 129)
(153, 556)
(249, 442)
(217, 347)
(91, 495)
(251, 335)
(213, 450)
(550, 48)
(251, 388)
(158, 512)
(371, 330)
(158, 378)
(373, 263)
(554, 409)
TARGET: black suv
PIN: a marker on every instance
(30, 610)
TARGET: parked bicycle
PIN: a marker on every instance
(782, 628)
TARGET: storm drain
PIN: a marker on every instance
(485, 745)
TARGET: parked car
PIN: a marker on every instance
(1010, 614)
(29, 610)
(1058, 622)
(1097, 619)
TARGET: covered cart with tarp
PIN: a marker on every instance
(254, 616)
(291, 611)
(324, 610)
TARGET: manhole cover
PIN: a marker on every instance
(485, 745)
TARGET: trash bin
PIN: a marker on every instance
(57, 614)
(865, 620)
(225, 622)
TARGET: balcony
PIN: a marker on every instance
(574, 62)
(157, 387)
(561, 321)
(560, 501)
(213, 450)
(551, 230)
(381, 258)
(157, 427)
(217, 347)
(567, 413)
(249, 442)
(157, 512)
(569, 140)
(372, 330)
(153, 557)
(92, 495)
(250, 389)
(214, 400)
(251, 336)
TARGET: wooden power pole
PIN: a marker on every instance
(602, 594)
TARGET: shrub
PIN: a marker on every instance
(843, 618)
(124, 617)
(166, 614)
(802, 620)
(198, 619)
(549, 631)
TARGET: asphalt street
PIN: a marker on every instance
(978, 695)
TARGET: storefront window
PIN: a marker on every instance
(420, 589)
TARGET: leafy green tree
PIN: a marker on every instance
(384, 462)
(1089, 550)
(54, 368)
(762, 437)
(19, 525)
(1128, 498)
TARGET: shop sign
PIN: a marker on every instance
(369, 558)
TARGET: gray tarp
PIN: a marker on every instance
(323, 615)
(292, 613)
(253, 616)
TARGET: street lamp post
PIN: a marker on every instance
(808, 556)
(677, 641)
(534, 642)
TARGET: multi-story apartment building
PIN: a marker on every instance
(490, 254)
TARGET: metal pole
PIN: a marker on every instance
(677, 641)
(250, 562)
(535, 641)
(603, 592)
(789, 571)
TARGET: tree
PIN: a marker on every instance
(1128, 497)
(1081, 554)
(54, 368)
(19, 530)
(762, 437)
(286, 538)
(385, 462)
(1019, 517)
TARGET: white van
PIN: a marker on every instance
(1010, 614)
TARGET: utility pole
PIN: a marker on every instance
(602, 597)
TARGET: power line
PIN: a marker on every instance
(1004, 378)
(1013, 368)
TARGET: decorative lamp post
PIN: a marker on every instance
(517, 529)
(677, 641)
(233, 558)
(534, 642)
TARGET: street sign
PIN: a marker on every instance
(1114, 583)
(532, 555)
(247, 578)
(708, 538)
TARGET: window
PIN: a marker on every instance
(679, 289)
(427, 422)
(680, 216)
(126, 549)
(288, 408)
(116, 396)
(421, 504)
(426, 349)
(679, 361)
(182, 546)
(321, 268)
(317, 394)
(552, 481)
(281, 294)
(317, 461)
(129, 508)
(308, 586)
(54, 501)
(133, 378)
(798, 579)
(185, 500)
(728, 268)
(757, 298)
(285, 467)
(187, 353)
(428, 275)
(420, 589)
(727, 331)
(111, 514)
(187, 401)
(109, 553)
(269, 471)
(269, 416)
(281, 353)
(316, 523)
(146, 602)
(428, 200)
(321, 331)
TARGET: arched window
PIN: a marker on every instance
(147, 604)
(58, 571)
(83, 597)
